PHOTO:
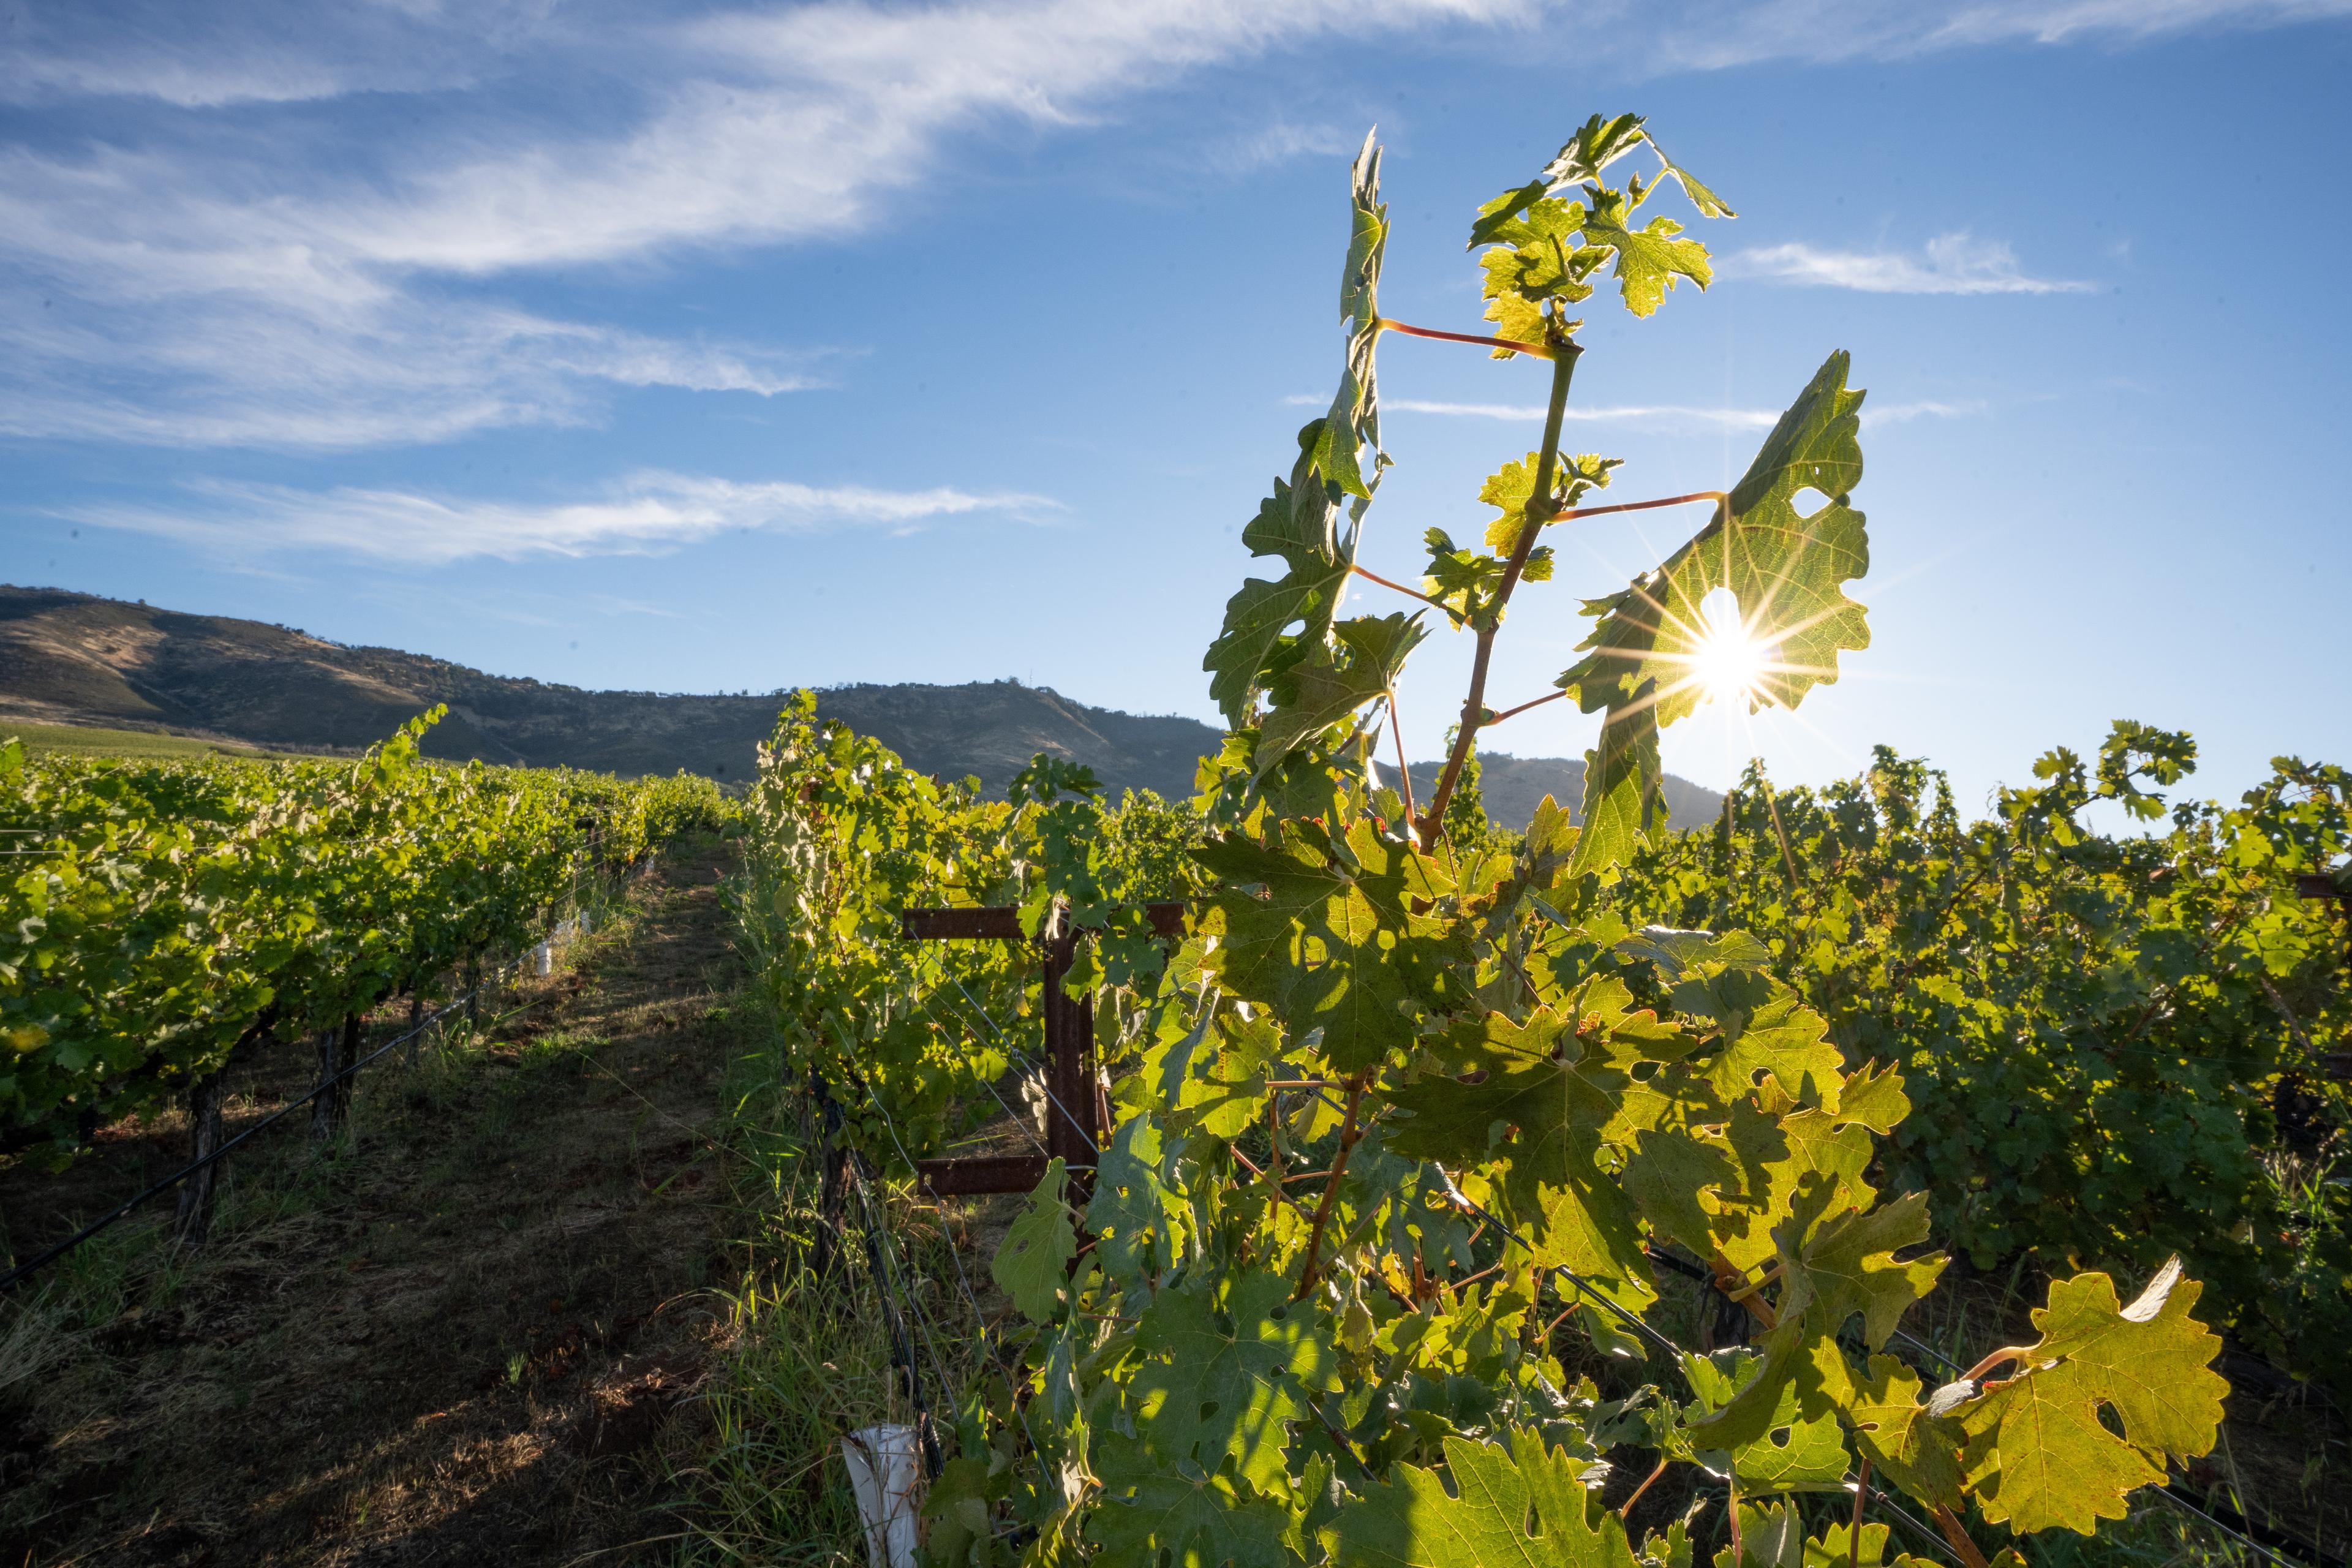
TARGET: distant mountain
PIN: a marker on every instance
(1514, 786)
(76, 659)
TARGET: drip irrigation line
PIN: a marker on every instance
(875, 1228)
(897, 1300)
(902, 1348)
(892, 1253)
(987, 1332)
(24, 1269)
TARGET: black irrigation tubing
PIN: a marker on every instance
(24, 1269)
(2280, 1547)
(896, 1317)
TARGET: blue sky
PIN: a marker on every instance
(728, 347)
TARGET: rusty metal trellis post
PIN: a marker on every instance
(1075, 1112)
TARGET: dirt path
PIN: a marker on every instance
(456, 1341)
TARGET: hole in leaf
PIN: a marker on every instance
(1643, 1072)
(2109, 1419)
(1810, 501)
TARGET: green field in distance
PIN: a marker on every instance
(88, 740)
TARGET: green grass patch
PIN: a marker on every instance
(89, 741)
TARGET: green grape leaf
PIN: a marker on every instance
(1335, 941)
(1789, 1042)
(1910, 1441)
(1708, 203)
(1332, 682)
(2038, 1455)
(1832, 1267)
(1667, 1175)
(1360, 279)
(1649, 259)
(1504, 212)
(1139, 1214)
(1623, 782)
(1354, 421)
(1236, 1368)
(1646, 660)
(1298, 523)
(1772, 1536)
(1032, 1263)
(1539, 1095)
(1793, 1454)
(1413, 1521)
(1463, 582)
(1786, 570)
(1199, 1519)
(1598, 144)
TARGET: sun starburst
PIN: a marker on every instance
(1730, 660)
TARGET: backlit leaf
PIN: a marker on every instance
(2038, 1455)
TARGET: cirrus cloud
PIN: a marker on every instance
(1951, 264)
(646, 513)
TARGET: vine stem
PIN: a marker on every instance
(1534, 351)
(1969, 1552)
(1347, 1136)
(1408, 593)
(1515, 712)
(1404, 769)
(1626, 1508)
(2006, 1353)
(1718, 496)
(1854, 1530)
(1474, 706)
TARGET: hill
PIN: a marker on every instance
(75, 658)
(72, 658)
(1514, 786)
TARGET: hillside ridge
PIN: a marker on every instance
(68, 657)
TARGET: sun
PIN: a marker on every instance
(1729, 662)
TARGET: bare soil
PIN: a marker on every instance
(469, 1333)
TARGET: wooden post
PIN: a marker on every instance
(1072, 1131)
(1075, 1109)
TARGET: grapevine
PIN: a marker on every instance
(1415, 1124)
(156, 917)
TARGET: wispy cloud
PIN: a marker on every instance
(205, 274)
(1951, 264)
(1663, 416)
(1702, 37)
(1655, 416)
(646, 513)
(208, 287)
